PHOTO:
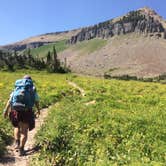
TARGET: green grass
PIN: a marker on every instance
(126, 125)
(51, 88)
(43, 50)
(90, 45)
(85, 47)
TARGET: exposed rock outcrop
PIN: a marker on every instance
(141, 21)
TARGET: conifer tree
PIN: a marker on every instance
(48, 58)
(56, 64)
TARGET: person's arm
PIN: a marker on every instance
(6, 110)
(7, 107)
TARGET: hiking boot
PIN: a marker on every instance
(17, 144)
(21, 152)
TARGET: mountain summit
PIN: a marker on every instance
(149, 12)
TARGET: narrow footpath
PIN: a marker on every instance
(12, 158)
(82, 91)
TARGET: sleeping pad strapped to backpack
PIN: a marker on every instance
(23, 94)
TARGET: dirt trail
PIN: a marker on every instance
(12, 158)
(82, 91)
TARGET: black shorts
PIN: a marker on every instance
(25, 116)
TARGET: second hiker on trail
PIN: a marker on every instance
(21, 102)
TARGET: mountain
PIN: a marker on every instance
(143, 20)
(133, 44)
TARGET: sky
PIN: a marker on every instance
(20, 19)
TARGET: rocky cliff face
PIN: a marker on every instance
(141, 21)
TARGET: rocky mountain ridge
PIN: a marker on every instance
(144, 20)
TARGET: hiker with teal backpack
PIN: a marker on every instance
(21, 114)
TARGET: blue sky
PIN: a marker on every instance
(24, 18)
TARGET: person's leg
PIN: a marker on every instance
(16, 137)
(16, 133)
(23, 135)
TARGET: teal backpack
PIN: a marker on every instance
(23, 94)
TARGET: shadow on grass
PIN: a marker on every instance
(32, 150)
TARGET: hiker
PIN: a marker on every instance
(19, 109)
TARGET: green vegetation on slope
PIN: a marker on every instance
(126, 126)
(43, 50)
(13, 62)
(90, 45)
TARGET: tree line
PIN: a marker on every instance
(13, 60)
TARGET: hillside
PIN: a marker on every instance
(130, 54)
(42, 51)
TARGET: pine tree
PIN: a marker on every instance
(56, 63)
(48, 58)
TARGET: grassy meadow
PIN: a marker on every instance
(89, 46)
(116, 123)
(42, 51)
(83, 47)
